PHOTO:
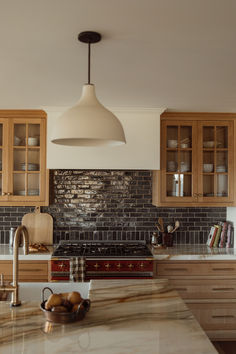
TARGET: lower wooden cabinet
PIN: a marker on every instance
(31, 271)
(209, 290)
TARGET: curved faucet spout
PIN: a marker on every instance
(21, 230)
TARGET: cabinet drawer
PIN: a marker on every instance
(217, 316)
(28, 271)
(205, 289)
(219, 268)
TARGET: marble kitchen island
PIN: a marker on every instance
(126, 316)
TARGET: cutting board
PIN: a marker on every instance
(39, 226)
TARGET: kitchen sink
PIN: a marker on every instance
(32, 291)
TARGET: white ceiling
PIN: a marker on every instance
(179, 54)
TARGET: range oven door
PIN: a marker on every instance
(81, 269)
(118, 269)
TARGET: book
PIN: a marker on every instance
(223, 235)
(229, 235)
(212, 235)
(217, 237)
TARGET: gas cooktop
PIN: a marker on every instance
(103, 249)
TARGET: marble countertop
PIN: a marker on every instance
(6, 254)
(126, 316)
(194, 252)
(178, 252)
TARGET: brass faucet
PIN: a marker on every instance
(14, 288)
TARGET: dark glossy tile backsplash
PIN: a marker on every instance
(111, 205)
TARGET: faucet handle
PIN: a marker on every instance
(1, 279)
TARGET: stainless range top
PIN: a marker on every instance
(103, 249)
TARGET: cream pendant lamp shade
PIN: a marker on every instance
(88, 123)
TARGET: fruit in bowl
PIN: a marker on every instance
(64, 307)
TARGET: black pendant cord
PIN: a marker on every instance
(89, 56)
(89, 37)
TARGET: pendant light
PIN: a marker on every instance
(88, 123)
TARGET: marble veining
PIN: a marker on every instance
(126, 316)
(194, 252)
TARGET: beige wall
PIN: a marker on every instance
(142, 151)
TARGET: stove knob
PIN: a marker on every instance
(141, 265)
(61, 266)
(96, 265)
(130, 266)
(107, 265)
(118, 265)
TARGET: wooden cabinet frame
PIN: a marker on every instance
(8, 118)
(196, 121)
(209, 290)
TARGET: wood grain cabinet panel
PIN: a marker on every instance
(209, 290)
(205, 289)
(31, 271)
(215, 316)
(196, 268)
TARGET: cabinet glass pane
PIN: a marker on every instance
(185, 137)
(33, 160)
(208, 161)
(221, 161)
(208, 137)
(19, 134)
(222, 185)
(185, 185)
(179, 185)
(33, 184)
(1, 134)
(19, 160)
(185, 161)
(34, 135)
(222, 137)
(172, 137)
(172, 183)
(208, 185)
(19, 187)
(172, 161)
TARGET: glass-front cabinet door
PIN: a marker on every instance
(215, 161)
(23, 177)
(26, 158)
(177, 159)
(3, 158)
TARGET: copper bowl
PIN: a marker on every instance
(65, 317)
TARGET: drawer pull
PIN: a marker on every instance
(225, 269)
(181, 289)
(222, 289)
(177, 269)
(222, 316)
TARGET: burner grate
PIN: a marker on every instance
(102, 249)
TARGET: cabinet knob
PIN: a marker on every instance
(3, 193)
(8, 193)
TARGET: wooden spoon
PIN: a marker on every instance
(161, 223)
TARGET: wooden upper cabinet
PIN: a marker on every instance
(23, 174)
(197, 160)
